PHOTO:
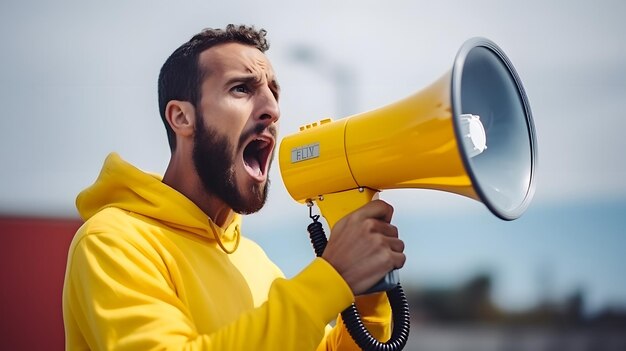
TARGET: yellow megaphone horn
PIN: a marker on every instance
(471, 133)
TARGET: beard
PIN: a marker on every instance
(214, 161)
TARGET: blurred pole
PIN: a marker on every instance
(341, 77)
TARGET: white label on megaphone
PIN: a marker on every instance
(305, 152)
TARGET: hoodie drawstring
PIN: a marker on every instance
(219, 241)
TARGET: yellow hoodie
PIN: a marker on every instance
(145, 272)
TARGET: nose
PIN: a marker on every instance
(269, 111)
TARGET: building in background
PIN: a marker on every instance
(33, 253)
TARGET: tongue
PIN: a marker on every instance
(254, 165)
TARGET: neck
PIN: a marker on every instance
(180, 176)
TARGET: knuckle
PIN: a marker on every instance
(370, 224)
(390, 258)
(378, 241)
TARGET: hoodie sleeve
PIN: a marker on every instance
(115, 297)
(375, 313)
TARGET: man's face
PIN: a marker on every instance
(237, 120)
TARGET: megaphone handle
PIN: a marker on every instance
(352, 320)
(388, 282)
(335, 206)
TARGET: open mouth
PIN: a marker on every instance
(256, 156)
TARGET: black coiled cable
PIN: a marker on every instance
(351, 317)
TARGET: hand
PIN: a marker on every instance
(364, 246)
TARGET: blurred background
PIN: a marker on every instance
(78, 81)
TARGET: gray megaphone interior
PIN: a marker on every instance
(484, 83)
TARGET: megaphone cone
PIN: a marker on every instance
(470, 132)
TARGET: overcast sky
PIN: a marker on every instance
(78, 80)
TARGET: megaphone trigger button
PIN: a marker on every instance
(315, 124)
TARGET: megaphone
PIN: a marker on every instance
(471, 133)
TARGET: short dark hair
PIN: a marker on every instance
(181, 76)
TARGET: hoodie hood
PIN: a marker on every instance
(128, 188)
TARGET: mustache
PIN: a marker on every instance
(258, 129)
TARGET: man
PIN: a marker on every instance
(161, 263)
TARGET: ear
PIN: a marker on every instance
(181, 116)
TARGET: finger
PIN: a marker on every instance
(389, 260)
(399, 259)
(381, 227)
(390, 230)
(395, 244)
(376, 209)
(376, 227)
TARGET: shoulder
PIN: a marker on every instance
(124, 224)
(115, 229)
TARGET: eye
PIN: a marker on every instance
(241, 89)
(276, 94)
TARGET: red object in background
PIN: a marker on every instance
(33, 254)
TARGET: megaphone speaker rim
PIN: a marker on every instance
(456, 101)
